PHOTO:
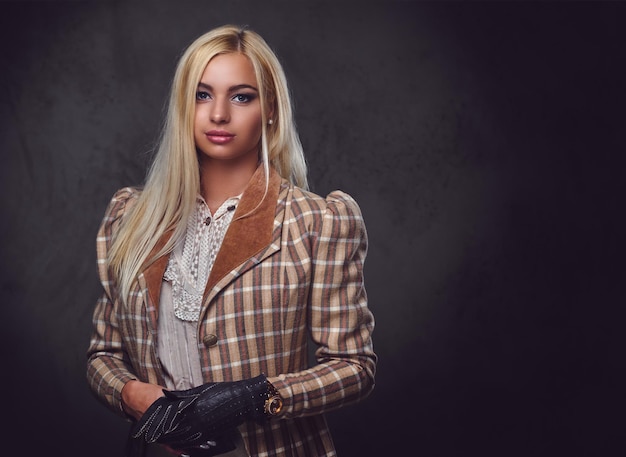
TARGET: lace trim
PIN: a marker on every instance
(191, 262)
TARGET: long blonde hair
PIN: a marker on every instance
(173, 180)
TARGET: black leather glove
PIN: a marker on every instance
(202, 417)
(225, 405)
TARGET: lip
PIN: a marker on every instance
(219, 136)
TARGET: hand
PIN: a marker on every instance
(163, 423)
(195, 418)
(137, 397)
(221, 406)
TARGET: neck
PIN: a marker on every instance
(222, 179)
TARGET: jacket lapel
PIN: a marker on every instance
(247, 234)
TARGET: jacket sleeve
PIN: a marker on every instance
(340, 322)
(108, 365)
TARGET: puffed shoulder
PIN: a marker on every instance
(343, 218)
(341, 203)
(123, 199)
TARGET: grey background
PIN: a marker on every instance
(484, 142)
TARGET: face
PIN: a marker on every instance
(227, 122)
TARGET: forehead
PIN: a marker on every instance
(229, 69)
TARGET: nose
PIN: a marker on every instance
(220, 112)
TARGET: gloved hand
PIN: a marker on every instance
(222, 406)
(202, 417)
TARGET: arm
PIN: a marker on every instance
(108, 364)
(340, 322)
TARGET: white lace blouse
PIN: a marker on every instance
(182, 289)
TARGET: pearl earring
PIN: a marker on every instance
(270, 122)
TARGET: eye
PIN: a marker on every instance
(243, 98)
(202, 95)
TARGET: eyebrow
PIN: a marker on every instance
(230, 89)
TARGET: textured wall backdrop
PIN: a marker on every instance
(484, 142)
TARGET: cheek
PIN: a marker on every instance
(256, 126)
(198, 121)
(258, 129)
(198, 129)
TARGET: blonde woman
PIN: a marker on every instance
(220, 271)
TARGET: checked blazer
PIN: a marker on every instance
(287, 282)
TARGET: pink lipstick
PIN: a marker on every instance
(219, 136)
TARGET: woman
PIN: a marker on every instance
(218, 272)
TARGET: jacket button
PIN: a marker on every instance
(209, 340)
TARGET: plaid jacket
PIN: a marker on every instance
(289, 272)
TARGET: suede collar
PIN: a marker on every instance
(245, 237)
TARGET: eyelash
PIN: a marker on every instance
(248, 98)
(204, 96)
